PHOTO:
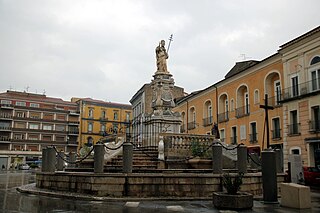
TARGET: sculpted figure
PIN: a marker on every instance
(162, 56)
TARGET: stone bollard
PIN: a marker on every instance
(44, 166)
(72, 159)
(217, 159)
(60, 161)
(127, 157)
(98, 158)
(269, 176)
(242, 159)
(51, 159)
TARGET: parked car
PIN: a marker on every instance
(24, 167)
(311, 175)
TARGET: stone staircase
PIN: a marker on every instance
(143, 161)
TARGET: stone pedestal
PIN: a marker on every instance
(295, 196)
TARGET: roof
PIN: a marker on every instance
(138, 92)
(240, 66)
(307, 34)
(33, 97)
(105, 103)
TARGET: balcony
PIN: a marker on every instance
(294, 129)
(207, 121)
(5, 139)
(276, 134)
(5, 128)
(6, 106)
(243, 111)
(73, 123)
(274, 101)
(314, 126)
(191, 125)
(73, 132)
(305, 89)
(253, 138)
(223, 117)
(233, 140)
(6, 116)
(76, 113)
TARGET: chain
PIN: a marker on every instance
(71, 162)
(113, 148)
(257, 163)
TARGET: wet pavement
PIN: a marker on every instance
(13, 201)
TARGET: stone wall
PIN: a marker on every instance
(171, 184)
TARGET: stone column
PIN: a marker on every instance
(127, 157)
(44, 166)
(60, 161)
(72, 159)
(217, 159)
(269, 176)
(51, 159)
(98, 158)
(242, 159)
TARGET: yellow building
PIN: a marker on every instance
(100, 118)
(234, 104)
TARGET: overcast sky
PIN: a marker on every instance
(105, 49)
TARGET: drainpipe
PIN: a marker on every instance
(216, 105)
(187, 120)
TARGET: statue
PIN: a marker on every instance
(162, 56)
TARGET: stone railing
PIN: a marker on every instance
(180, 145)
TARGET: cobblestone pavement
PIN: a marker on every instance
(49, 201)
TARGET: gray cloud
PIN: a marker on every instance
(105, 49)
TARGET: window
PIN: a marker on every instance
(34, 105)
(127, 116)
(90, 127)
(47, 137)
(276, 128)
(115, 116)
(20, 125)
(277, 91)
(293, 127)
(222, 135)
(243, 134)
(103, 114)
(90, 114)
(294, 86)
(315, 119)
(20, 103)
(6, 102)
(234, 135)
(103, 128)
(48, 116)
(33, 137)
(47, 127)
(60, 138)
(253, 135)
(61, 117)
(246, 101)
(61, 128)
(33, 126)
(256, 96)
(315, 79)
(35, 115)
(18, 136)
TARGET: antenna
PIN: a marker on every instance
(44, 92)
(243, 56)
(27, 88)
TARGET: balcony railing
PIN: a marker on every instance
(314, 126)
(6, 106)
(183, 128)
(274, 101)
(73, 132)
(300, 90)
(191, 125)
(207, 121)
(223, 117)
(5, 128)
(276, 134)
(233, 140)
(253, 138)
(5, 138)
(294, 129)
(6, 115)
(243, 111)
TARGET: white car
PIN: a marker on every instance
(24, 167)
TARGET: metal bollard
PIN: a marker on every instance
(98, 158)
(127, 157)
(60, 161)
(217, 159)
(269, 176)
(51, 159)
(242, 159)
(72, 159)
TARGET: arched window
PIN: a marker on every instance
(315, 73)
(315, 60)
(256, 97)
(90, 114)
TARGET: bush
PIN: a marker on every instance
(232, 184)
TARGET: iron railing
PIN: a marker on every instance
(191, 125)
(5, 138)
(274, 101)
(314, 126)
(223, 117)
(207, 121)
(5, 128)
(276, 134)
(253, 138)
(6, 115)
(294, 129)
(243, 111)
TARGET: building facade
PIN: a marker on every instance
(30, 122)
(100, 118)
(301, 96)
